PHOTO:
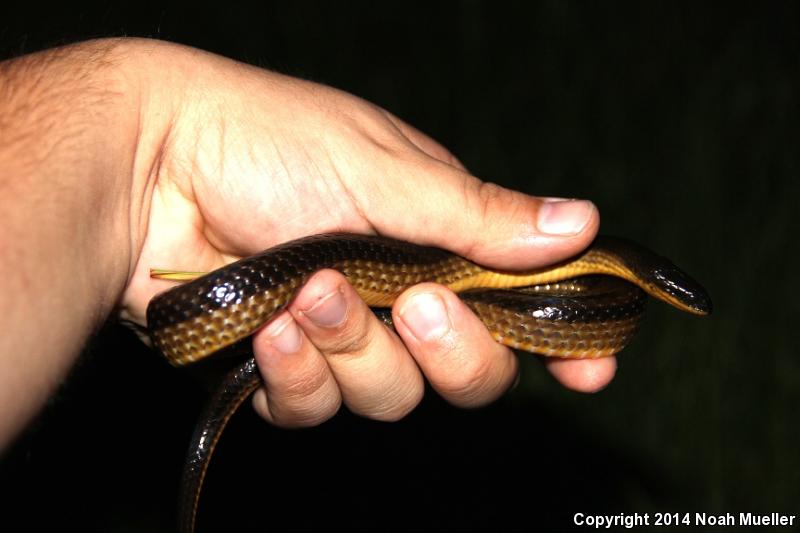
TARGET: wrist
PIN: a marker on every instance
(71, 119)
(68, 143)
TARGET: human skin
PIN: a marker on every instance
(120, 155)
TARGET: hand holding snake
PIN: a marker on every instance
(123, 155)
(170, 156)
(291, 159)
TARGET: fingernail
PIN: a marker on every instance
(564, 217)
(329, 311)
(426, 316)
(284, 335)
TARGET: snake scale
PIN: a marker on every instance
(586, 307)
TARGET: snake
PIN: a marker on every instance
(588, 306)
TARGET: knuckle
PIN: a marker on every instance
(465, 378)
(354, 338)
(306, 416)
(392, 410)
(304, 403)
(387, 388)
(489, 195)
(489, 205)
(305, 385)
(493, 201)
(439, 152)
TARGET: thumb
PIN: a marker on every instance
(436, 204)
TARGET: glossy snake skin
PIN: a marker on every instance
(586, 307)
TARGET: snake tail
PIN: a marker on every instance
(234, 389)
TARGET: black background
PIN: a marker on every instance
(680, 120)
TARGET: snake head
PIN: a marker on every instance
(656, 274)
(683, 292)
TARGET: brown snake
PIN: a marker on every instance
(587, 307)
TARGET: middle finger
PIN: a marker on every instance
(377, 376)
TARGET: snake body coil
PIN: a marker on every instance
(589, 306)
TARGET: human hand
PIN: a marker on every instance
(233, 159)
